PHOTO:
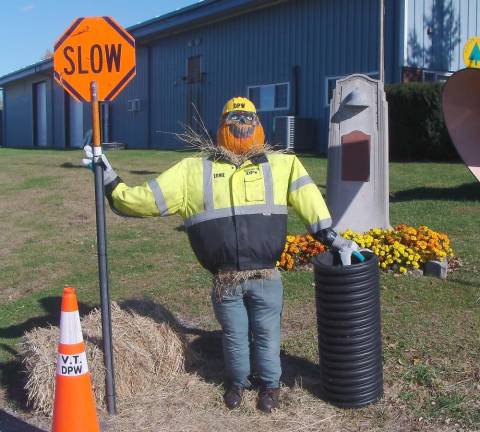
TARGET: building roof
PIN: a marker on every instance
(41, 66)
(195, 15)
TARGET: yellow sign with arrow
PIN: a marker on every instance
(471, 53)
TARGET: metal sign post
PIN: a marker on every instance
(94, 59)
(102, 253)
(381, 44)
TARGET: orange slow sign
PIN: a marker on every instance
(94, 49)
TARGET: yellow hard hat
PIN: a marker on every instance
(239, 104)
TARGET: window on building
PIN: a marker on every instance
(428, 76)
(410, 74)
(331, 83)
(270, 97)
(443, 77)
(434, 76)
(194, 71)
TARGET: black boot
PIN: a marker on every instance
(268, 399)
(233, 397)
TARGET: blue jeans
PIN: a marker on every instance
(253, 306)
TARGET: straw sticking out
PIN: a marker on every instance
(198, 138)
(146, 354)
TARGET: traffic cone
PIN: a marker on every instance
(74, 408)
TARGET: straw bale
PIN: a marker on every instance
(146, 355)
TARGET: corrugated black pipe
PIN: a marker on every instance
(349, 330)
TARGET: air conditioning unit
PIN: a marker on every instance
(293, 133)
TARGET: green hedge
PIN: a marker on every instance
(417, 129)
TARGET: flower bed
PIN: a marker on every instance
(299, 251)
(399, 249)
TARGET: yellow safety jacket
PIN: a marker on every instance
(235, 217)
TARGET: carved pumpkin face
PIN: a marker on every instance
(240, 132)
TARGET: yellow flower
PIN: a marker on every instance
(403, 246)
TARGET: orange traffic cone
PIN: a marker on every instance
(74, 407)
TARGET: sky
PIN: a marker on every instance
(30, 27)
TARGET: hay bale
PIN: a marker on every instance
(146, 355)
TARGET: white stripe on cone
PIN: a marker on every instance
(72, 364)
(70, 331)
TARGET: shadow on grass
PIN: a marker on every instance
(13, 379)
(140, 172)
(464, 192)
(143, 172)
(12, 375)
(462, 282)
(51, 307)
(207, 360)
(10, 423)
(71, 165)
(42, 149)
(206, 345)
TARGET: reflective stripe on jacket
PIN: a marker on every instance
(236, 217)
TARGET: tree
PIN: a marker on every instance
(443, 27)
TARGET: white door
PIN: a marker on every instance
(75, 123)
(41, 114)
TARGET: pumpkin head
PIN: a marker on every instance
(240, 130)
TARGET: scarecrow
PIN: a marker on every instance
(234, 200)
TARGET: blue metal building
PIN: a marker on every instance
(284, 54)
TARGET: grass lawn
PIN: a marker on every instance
(431, 328)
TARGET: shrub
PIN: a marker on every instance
(416, 126)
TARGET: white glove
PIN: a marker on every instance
(109, 175)
(345, 248)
